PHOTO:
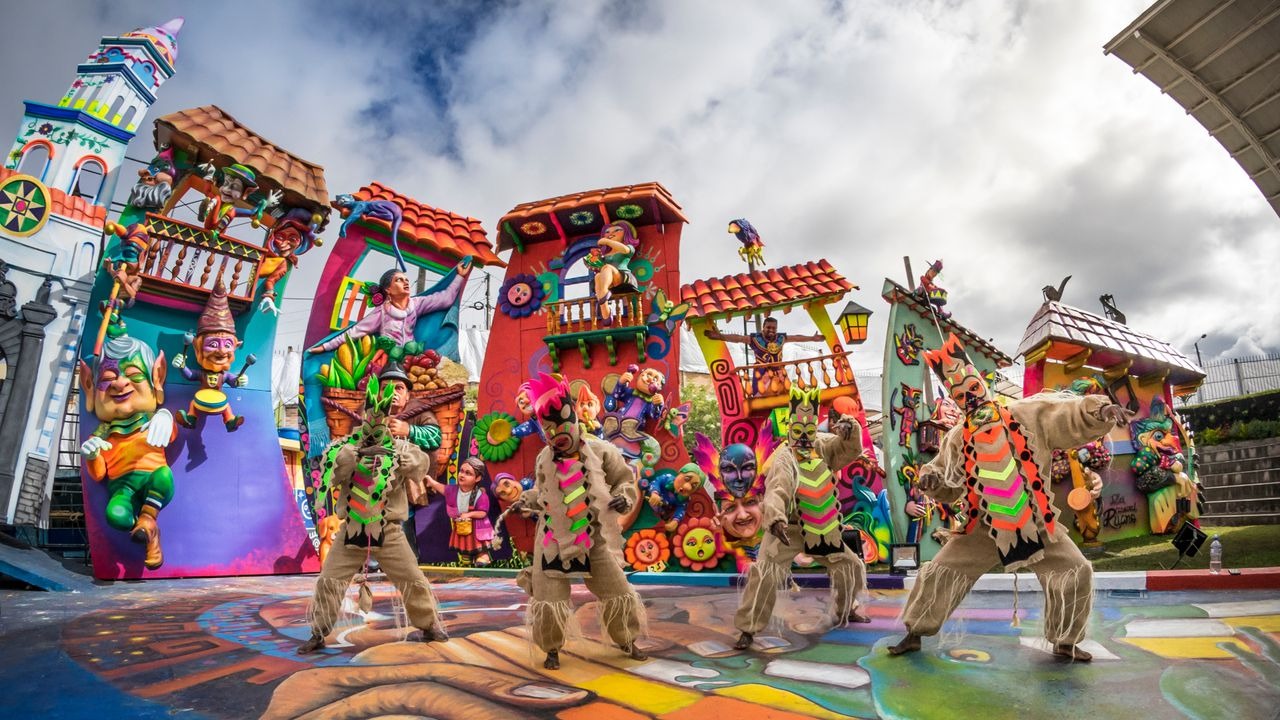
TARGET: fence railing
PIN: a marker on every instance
(189, 262)
(1240, 376)
(582, 315)
(823, 371)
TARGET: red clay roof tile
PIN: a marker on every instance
(439, 230)
(765, 289)
(68, 206)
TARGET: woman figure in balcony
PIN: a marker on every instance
(766, 346)
(611, 261)
(395, 312)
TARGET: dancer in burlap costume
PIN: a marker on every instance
(370, 471)
(998, 460)
(582, 484)
(802, 514)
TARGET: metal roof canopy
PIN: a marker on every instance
(1219, 60)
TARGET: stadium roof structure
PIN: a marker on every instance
(1220, 60)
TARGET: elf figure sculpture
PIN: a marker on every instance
(581, 485)
(998, 460)
(802, 514)
(124, 390)
(215, 344)
(367, 475)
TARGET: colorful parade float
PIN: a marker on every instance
(590, 293)
(917, 412)
(1136, 481)
(183, 469)
(753, 396)
(368, 320)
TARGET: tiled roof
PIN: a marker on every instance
(1072, 330)
(222, 139)
(893, 292)
(765, 289)
(435, 229)
(68, 206)
(580, 213)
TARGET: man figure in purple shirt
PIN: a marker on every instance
(395, 311)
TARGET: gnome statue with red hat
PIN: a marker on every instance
(215, 344)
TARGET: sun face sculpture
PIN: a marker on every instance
(648, 549)
(698, 544)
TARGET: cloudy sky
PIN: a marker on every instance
(993, 134)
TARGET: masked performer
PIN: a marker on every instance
(369, 471)
(581, 485)
(998, 460)
(802, 514)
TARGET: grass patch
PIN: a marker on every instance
(1247, 546)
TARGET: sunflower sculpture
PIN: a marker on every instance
(699, 545)
(494, 437)
(647, 550)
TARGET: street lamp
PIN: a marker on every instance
(853, 321)
(1197, 346)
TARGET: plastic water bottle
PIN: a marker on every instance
(1215, 556)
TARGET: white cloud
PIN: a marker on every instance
(994, 135)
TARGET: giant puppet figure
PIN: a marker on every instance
(998, 460)
(802, 514)
(215, 343)
(581, 485)
(368, 473)
(124, 390)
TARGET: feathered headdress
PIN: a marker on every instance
(707, 456)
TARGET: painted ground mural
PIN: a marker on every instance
(224, 649)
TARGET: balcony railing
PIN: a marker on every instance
(767, 385)
(583, 315)
(188, 263)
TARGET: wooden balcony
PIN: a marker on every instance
(768, 385)
(582, 315)
(577, 324)
(188, 262)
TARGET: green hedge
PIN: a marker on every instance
(1251, 430)
(1224, 414)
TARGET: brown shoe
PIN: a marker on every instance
(908, 644)
(857, 617)
(744, 641)
(146, 531)
(435, 633)
(1071, 652)
(553, 660)
(315, 643)
(634, 652)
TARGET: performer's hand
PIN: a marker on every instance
(779, 530)
(619, 504)
(93, 447)
(160, 429)
(1118, 415)
(914, 509)
(398, 428)
(842, 427)
(929, 479)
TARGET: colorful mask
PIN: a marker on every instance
(964, 382)
(802, 420)
(556, 417)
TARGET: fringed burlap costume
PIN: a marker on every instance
(800, 497)
(581, 485)
(998, 460)
(394, 555)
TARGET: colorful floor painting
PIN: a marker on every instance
(225, 649)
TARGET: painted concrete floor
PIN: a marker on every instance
(225, 649)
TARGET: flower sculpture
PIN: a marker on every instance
(699, 545)
(647, 549)
(520, 295)
(494, 437)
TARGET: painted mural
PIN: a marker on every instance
(224, 650)
(916, 412)
(184, 438)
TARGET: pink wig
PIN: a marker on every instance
(548, 393)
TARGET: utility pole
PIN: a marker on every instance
(488, 308)
(422, 280)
